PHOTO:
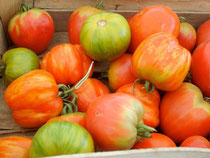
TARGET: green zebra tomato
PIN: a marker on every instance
(105, 36)
(17, 62)
(60, 138)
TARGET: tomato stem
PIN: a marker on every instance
(149, 87)
(99, 4)
(182, 19)
(24, 7)
(207, 99)
(144, 131)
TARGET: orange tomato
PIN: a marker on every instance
(196, 141)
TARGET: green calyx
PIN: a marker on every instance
(149, 87)
(144, 131)
(99, 5)
(24, 8)
(182, 19)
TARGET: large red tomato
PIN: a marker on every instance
(162, 61)
(201, 67)
(31, 29)
(67, 63)
(184, 113)
(196, 141)
(119, 72)
(15, 147)
(151, 20)
(150, 101)
(33, 98)
(203, 32)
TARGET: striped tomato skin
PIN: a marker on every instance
(60, 138)
(105, 36)
(161, 60)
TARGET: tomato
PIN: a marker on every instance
(150, 101)
(91, 89)
(196, 141)
(119, 72)
(129, 20)
(151, 20)
(15, 147)
(60, 138)
(18, 61)
(203, 32)
(33, 98)
(105, 36)
(162, 61)
(184, 113)
(156, 141)
(32, 29)
(76, 20)
(67, 63)
(187, 36)
(200, 68)
(78, 118)
(113, 121)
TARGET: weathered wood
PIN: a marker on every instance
(183, 5)
(3, 40)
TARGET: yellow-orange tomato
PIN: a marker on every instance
(161, 60)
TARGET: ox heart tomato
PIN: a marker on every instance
(203, 32)
(196, 141)
(31, 28)
(162, 61)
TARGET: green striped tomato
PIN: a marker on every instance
(60, 138)
(105, 36)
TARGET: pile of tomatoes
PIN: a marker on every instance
(158, 82)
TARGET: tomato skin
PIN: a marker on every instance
(196, 141)
(203, 33)
(88, 91)
(18, 61)
(116, 112)
(105, 36)
(201, 74)
(149, 101)
(184, 111)
(187, 36)
(151, 20)
(119, 72)
(60, 138)
(33, 98)
(67, 63)
(161, 60)
(76, 20)
(25, 29)
(15, 147)
(156, 141)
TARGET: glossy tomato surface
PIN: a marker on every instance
(203, 32)
(196, 141)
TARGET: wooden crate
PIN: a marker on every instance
(196, 12)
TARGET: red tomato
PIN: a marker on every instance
(203, 32)
(149, 101)
(151, 20)
(129, 20)
(196, 141)
(33, 98)
(31, 29)
(76, 20)
(187, 36)
(200, 67)
(15, 147)
(156, 141)
(67, 63)
(120, 73)
(161, 60)
(78, 118)
(184, 113)
(88, 91)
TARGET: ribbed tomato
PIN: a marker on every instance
(162, 61)
(203, 32)
(60, 138)
(150, 101)
(67, 63)
(31, 29)
(184, 113)
(196, 141)
(119, 72)
(33, 98)
(151, 20)
(15, 147)
(105, 36)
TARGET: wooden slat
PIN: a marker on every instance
(3, 40)
(183, 5)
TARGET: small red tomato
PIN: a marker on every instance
(187, 36)
(120, 73)
(196, 141)
(156, 141)
(203, 32)
(15, 147)
(32, 29)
